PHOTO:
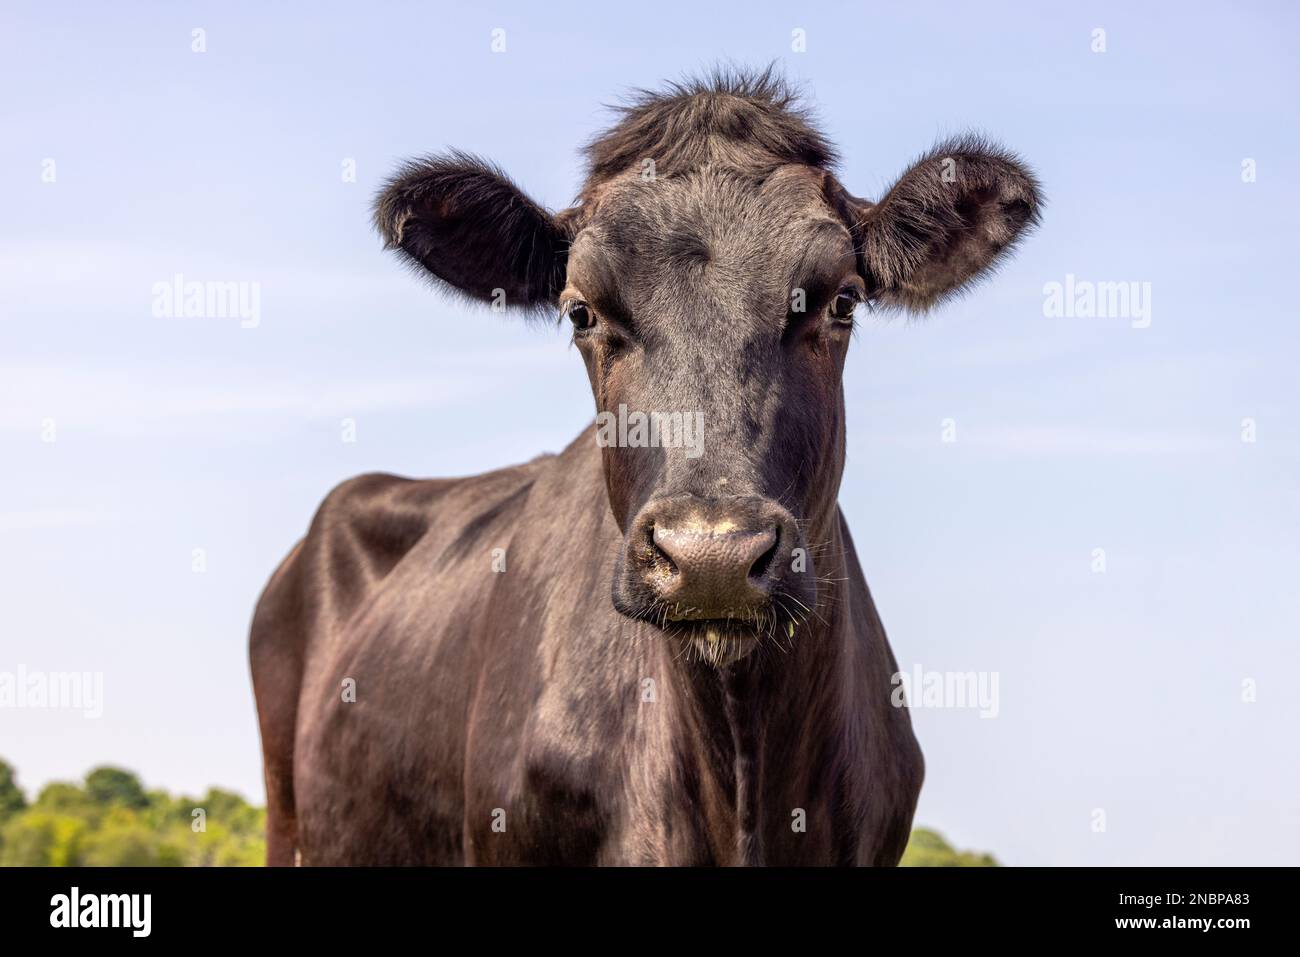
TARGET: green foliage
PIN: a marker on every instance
(929, 849)
(112, 821)
(39, 838)
(64, 797)
(11, 796)
(120, 841)
(108, 785)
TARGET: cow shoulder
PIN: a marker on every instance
(360, 530)
(368, 524)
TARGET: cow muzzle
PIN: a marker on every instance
(721, 572)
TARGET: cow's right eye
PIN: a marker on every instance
(580, 315)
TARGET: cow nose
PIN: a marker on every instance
(712, 562)
(718, 566)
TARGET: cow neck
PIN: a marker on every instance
(735, 717)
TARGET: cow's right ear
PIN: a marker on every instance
(471, 228)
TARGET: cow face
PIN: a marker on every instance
(713, 304)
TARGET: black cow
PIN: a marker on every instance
(656, 647)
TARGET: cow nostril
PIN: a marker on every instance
(764, 561)
(658, 555)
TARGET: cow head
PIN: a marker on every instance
(712, 272)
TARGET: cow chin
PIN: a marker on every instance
(716, 643)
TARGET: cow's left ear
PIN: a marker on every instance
(950, 218)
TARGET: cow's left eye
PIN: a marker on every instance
(844, 305)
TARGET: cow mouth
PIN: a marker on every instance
(719, 638)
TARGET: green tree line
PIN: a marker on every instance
(928, 848)
(110, 820)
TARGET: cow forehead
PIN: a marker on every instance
(712, 203)
(714, 234)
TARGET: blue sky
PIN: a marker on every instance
(1119, 691)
